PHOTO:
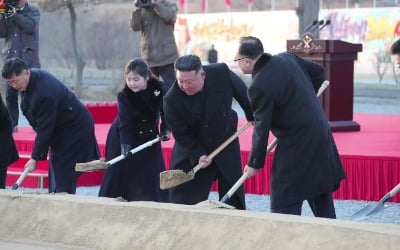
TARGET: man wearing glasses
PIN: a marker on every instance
(306, 163)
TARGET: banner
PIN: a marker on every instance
(195, 33)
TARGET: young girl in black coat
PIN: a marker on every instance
(139, 111)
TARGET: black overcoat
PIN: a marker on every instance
(283, 96)
(62, 124)
(199, 128)
(136, 178)
(8, 150)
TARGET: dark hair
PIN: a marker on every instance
(251, 47)
(138, 66)
(13, 66)
(188, 63)
(395, 49)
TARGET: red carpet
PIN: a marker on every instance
(371, 158)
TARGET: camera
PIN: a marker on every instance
(6, 6)
(144, 3)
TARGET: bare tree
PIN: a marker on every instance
(307, 11)
(71, 5)
(381, 64)
(396, 77)
(106, 52)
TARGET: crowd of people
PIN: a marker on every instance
(163, 93)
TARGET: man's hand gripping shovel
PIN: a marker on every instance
(176, 177)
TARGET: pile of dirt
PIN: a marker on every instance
(104, 223)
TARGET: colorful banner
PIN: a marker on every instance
(195, 33)
(376, 29)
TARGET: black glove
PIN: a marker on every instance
(125, 148)
(165, 135)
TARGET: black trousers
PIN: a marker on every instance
(12, 104)
(3, 176)
(321, 206)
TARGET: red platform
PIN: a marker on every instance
(371, 158)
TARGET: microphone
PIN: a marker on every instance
(326, 24)
(321, 22)
(310, 25)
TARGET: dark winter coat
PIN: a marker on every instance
(283, 96)
(8, 150)
(200, 126)
(136, 178)
(21, 33)
(63, 124)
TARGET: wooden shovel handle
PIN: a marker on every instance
(222, 146)
(199, 166)
(395, 190)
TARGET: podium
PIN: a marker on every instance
(338, 59)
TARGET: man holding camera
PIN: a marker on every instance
(156, 19)
(19, 25)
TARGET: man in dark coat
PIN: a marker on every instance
(283, 96)
(198, 110)
(61, 122)
(20, 28)
(8, 150)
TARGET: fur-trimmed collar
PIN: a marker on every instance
(264, 59)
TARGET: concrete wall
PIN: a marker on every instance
(103, 223)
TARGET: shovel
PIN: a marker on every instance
(21, 178)
(176, 177)
(244, 177)
(173, 178)
(100, 164)
(373, 209)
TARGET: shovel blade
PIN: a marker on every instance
(91, 166)
(213, 204)
(368, 210)
(175, 177)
